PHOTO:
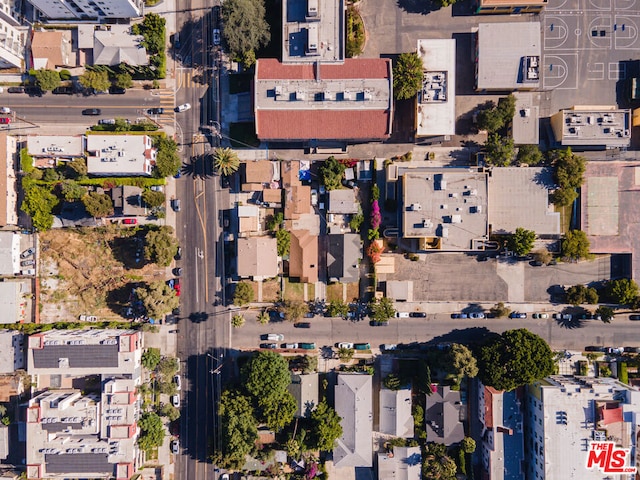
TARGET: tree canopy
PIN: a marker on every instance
(151, 358)
(266, 377)
(167, 160)
(623, 291)
(38, 203)
(226, 161)
(331, 173)
(382, 309)
(499, 150)
(245, 26)
(123, 80)
(569, 175)
(326, 427)
(580, 294)
(437, 464)
(407, 76)
(153, 198)
(521, 241)
(294, 310)
(160, 246)
(151, 431)
(98, 205)
(575, 245)
(157, 298)
(46, 79)
(96, 79)
(529, 155)
(605, 312)
(283, 240)
(496, 118)
(338, 308)
(460, 362)
(243, 294)
(72, 191)
(238, 427)
(515, 358)
(280, 411)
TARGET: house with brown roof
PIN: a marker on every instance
(316, 103)
(257, 257)
(255, 175)
(8, 183)
(303, 256)
(52, 49)
(297, 199)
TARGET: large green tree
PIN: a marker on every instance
(123, 80)
(575, 245)
(153, 198)
(150, 358)
(38, 203)
(331, 173)
(382, 309)
(46, 79)
(529, 155)
(167, 159)
(283, 241)
(580, 294)
(238, 427)
(338, 308)
(623, 291)
(157, 298)
(160, 246)
(521, 241)
(96, 79)
(499, 150)
(245, 26)
(98, 205)
(151, 431)
(279, 412)
(460, 362)
(570, 168)
(226, 161)
(266, 377)
(294, 310)
(243, 294)
(326, 427)
(407, 76)
(153, 30)
(515, 358)
(72, 190)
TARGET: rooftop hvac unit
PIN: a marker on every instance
(346, 95)
(300, 95)
(415, 207)
(368, 95)
(327, 95)
(278, 90)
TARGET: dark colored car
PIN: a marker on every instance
(177, 271)
(178, 255)
(417, 314)
(15, 89)
(634, 317)
(517, 315)
(155, 111)
(307, 346)
(91, 111)
(63, 91)
(270, 346)
(377, 323)
(33, 91)
(113, 90)
(302, 325)
(593, 348)
(360, 346)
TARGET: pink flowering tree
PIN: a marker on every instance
(376, 216)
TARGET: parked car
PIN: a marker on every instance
(63, 91)
(175, 446)
(634, 317)
(518, 315)
(178, 382)
(157, 188)
(593, 348)
(178, 255)
(275, 337)
(33, 91)
(28, 272)
(107, 121)
(389, 346)
(175, 204)
(417, 314)
(540, 315)
(176, 286)
(361, 346)
(5, 120)
(177, 271)
(314, 197)
(113, 90)
(476, 315)
(91, 111)
(307, 346)
(183, 108)
(459, 315)
(28, 252)
(632, 349)
(15, 89)
(130, 221)
(614, 350)
(216, 36)
(290, 345)
(175, 400)
(270, 346)
(402, 314)
(26, 263)
(155, 111)
(5, 110)
(347, 345)
(378, 323)
(302, 325)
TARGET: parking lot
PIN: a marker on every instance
(494, 280)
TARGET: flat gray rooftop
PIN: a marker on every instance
(449, 203)
(519, 197)
(606, 127)
(526, 121)
(502, 52)
(324, 33)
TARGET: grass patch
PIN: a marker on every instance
(353, 291)
(240, 82)
(271, 290)
(293, 291)
(334, 292)
(355, 32)
(565, 217)
(243, 135)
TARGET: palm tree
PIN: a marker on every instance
(226, 161)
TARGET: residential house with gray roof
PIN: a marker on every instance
(395, 412)
(354, 405)
(343, 257)
(403, 463)
(443, 415)
(304, 389)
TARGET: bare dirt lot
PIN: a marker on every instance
(91, 271)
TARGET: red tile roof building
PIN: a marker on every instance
(349, 102)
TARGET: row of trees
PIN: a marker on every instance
(622, 291)
(263, 398)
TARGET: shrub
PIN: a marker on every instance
(376, 216)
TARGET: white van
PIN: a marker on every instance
(275, 337)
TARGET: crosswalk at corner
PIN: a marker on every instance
(168, 102)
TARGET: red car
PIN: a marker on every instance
(5, 120)
(130, 221)
(176, 286)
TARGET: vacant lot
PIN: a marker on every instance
(91, 271)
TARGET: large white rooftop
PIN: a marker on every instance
(120, 155)
(592, 127)
(55, 145)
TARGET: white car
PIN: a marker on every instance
(175, 400)
(314, 197)
(5, 110)
(175, 446)
(347, 345)
(402, 314)
(540, 315)
(389, 346)
(178, 381)
(216, 36)
(183, 108)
